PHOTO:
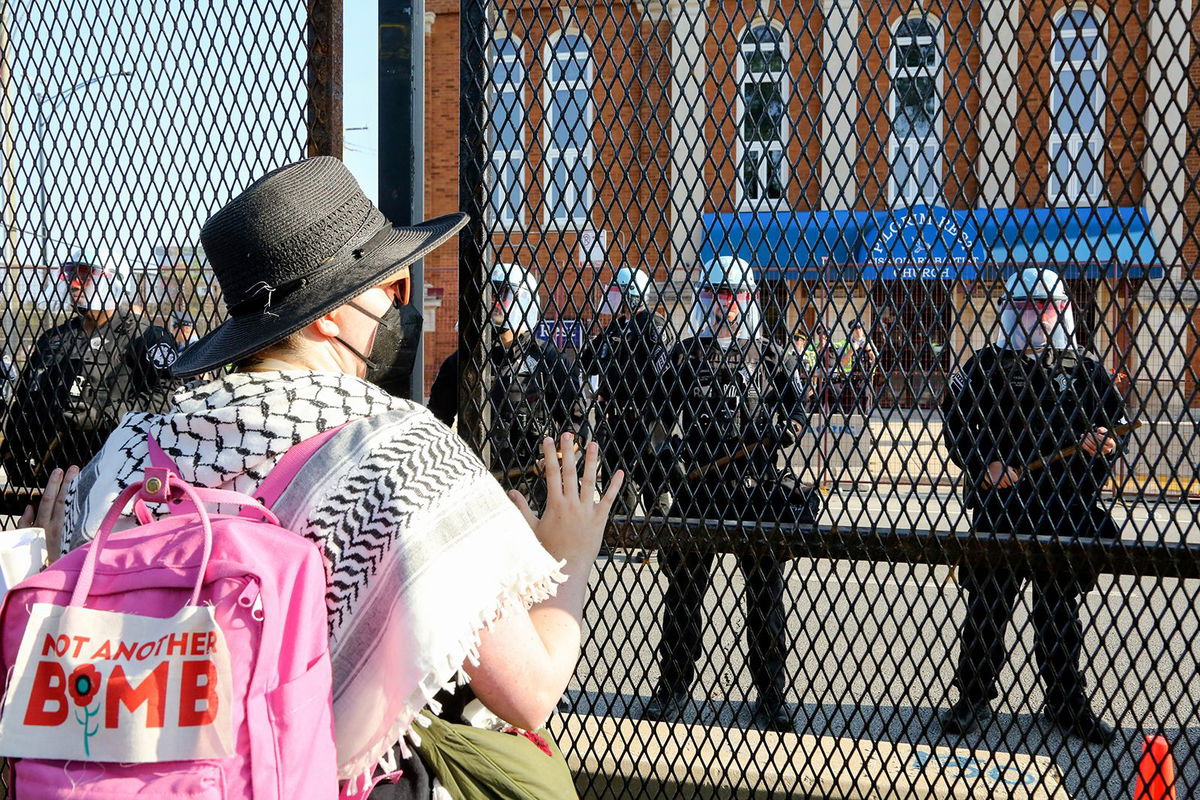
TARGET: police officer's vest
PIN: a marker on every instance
(728, 385)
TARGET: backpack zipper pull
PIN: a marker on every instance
(251, 598)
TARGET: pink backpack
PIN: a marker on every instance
(184, 657)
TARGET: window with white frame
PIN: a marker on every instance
(915, 145)
(505, 134)
(1077, 100)
(762, 123)
(569, 117)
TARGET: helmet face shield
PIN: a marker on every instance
(511, 295)
(90, 287)
(1036, 312)
(1036, 324)
(725, 311)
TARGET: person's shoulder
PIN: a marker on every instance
(408, 433)
(978, 363)
(1086, 361)
(987, 355)
(67, 328)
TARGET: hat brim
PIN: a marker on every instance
(240, 337)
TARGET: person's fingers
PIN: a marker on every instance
(1088, 444)
(570, 473)
(522, 505)
(45, 508)
(591, 465)
(553, 470)
(59, 509)
(610, 495)
(26, 519)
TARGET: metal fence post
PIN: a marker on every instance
(401, 134)
(473, 199)
(325, 78)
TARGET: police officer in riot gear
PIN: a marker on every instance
(83, 376)
(1029, 395)
(626, 361)
(738, 400)
(535, 391)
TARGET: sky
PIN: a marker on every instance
(359, 101)
(118, 165)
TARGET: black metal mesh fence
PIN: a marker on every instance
(867, 300)
(124, 127)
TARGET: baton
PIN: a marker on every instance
(41, 465)
(736, 455)
(1071, 450)
(536, 470)
(1067, 452)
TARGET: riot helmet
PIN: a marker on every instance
(93, 282)
(726, 305)
(635, 287)
(1036, 312)
(514, 300)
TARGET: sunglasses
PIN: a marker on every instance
(79, 273)
(1041, 306)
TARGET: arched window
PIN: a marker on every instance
(762, 126)
(506, 137)
(915, 65)
(1077, 100)
(569, 117)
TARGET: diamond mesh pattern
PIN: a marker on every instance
(125, 126)
(893, 166)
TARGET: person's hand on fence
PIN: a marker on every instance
(1001, 476)
(572, 526)
(50, 510)
(1098, 442)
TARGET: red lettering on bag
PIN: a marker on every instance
(193, 692)
(177, 645)
(51, 645)
(125, 651)
(152, 692)
(49, 686)
(198, 642)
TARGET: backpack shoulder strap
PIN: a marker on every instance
(291, 463)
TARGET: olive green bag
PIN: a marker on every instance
(480, 764)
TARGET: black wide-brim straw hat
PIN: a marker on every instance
(296, 244)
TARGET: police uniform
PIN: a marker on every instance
(629, 358)
(75, 388)
(1014, 406)
(534, 394)
(443, 393)
(741, 396)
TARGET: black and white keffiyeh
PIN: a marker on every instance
(423, 548)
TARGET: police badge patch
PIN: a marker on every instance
(162, 355)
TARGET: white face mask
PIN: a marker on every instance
(1036, 325)
(725, 317)
(100, 294)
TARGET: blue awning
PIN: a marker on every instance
(922, 242)
(1075, 242)
(934, 243)
(785, 245)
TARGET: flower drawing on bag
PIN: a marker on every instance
(83, 685)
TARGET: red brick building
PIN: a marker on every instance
(871, 161)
